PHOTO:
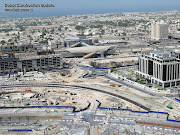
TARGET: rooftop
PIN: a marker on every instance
(28, 57)
(10, 59)
(161, 54)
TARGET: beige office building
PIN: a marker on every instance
(159, 30)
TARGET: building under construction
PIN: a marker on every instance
(30, 63)
(44, 59)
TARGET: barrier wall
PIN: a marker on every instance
(37, 107)
(177, 99)
(23, 107)
(128, 109)
(158, 112)
(82, 109)
(110, 67)
(20, 130)
(173, 120)
(137, 111)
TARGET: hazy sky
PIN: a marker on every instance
(67, 7)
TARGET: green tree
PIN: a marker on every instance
(3, 42)
(59, 28)
(90, 34)
(10, 40)
(102, 32)
(78, 27)
(124, 34)
(96, 40)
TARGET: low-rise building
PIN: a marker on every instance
(30, 63)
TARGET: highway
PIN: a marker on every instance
(58, 85)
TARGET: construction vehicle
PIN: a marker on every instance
(112, 85)
(64, 81)
(27, 90)
(120, 85)
(170, 107)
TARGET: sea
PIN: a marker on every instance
(48, 12)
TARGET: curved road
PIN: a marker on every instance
(57, 85)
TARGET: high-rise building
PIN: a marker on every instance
(159, 30)
(161, 67)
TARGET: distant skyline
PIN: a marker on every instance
(71, 7)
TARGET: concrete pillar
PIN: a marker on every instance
(19, 65)
(102, 54)
(34, 64)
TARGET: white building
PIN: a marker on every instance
(161, 67)
(159, 30)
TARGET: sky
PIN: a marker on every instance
(70, 7)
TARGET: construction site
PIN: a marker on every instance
(45, 58)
